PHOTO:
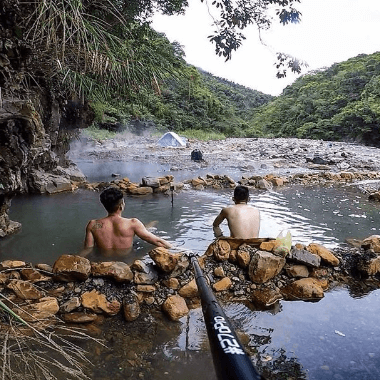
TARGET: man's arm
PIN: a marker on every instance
(140, 230)
(88, 240)
(219, 219)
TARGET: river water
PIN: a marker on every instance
(335, 338)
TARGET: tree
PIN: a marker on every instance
(94, 48)
(235, 16)
(99, 48)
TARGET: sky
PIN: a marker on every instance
(330, 31)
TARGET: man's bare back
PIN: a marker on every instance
(114, 233)
(243, 220)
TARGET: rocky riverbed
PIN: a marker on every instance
(242, 155)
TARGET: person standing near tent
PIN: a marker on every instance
(243, 220)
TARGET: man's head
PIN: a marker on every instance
(241, 194)
(111, 199)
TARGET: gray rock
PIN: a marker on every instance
(302, 256)
(148, 278)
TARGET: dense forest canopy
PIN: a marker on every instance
(341, 102)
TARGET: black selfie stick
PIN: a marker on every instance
(230, 359)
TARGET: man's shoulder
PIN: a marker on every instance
(133, 221)
(91, 222)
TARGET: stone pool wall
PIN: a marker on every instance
(256, 271)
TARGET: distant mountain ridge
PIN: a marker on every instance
(341, 102)
(200, 100)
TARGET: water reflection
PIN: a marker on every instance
(291, 337)
(54, 225)
(336, 338)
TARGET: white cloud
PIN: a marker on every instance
(330, 31)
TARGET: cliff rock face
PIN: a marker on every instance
(30, 120)
(27, 160)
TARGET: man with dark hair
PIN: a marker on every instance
(243, 219)
(114, 233)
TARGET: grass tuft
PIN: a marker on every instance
(94, 132)
(30, 351)
(199, 134)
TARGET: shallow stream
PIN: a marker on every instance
(335, 338)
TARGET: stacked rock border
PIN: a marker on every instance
(256, 271)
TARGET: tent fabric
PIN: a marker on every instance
(171, 139)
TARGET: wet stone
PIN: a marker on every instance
(131, 308)
(70, 305)
(79, 317)
(302, 256)
(264, 266)
(25, 290)
(175, 307)
(70, 268)
(119, 271)
(305, 288)
(8, 264)
(165, 260)
(42, 309)
(223, 284)
(189, 290)
(148, 277)
(32, 275)
(325, 254)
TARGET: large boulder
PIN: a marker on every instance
(165, 260)
(325, 254)
(43, 182)
(98, 303)
(175, 307)
(71, 268)
(117, 270)
(25, 290)
(372, 242)
(303, 289)
(264, 266)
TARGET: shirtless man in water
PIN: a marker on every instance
(243, 220)
(114, 233)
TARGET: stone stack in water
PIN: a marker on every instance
(260, 271)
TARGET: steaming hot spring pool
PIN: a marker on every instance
(335, 338)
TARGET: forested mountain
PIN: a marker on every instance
(341, 102)
(192, 99)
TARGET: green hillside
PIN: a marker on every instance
(191, 100)
(341, 102)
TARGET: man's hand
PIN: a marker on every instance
(217, 232)
(86, 251)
